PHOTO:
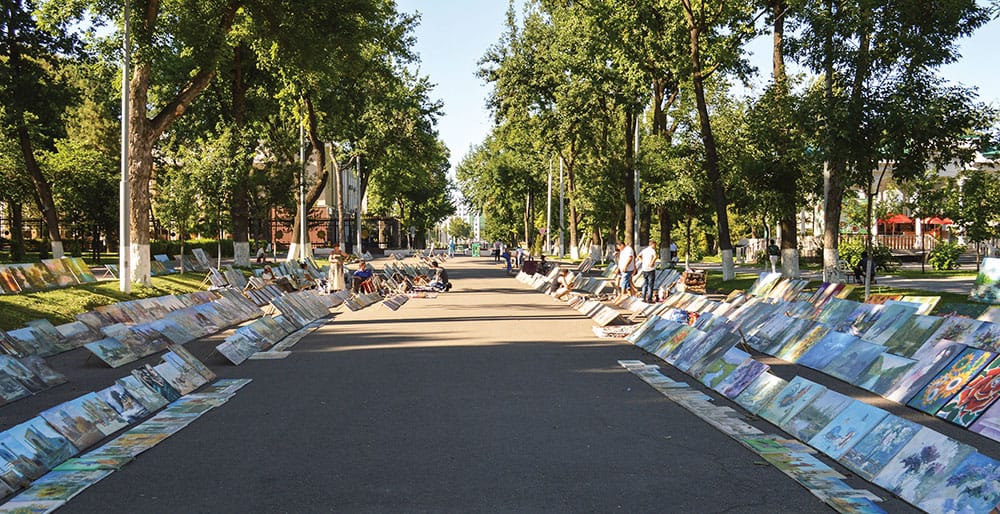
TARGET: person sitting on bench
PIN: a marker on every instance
(362, 275)
(440, 280)
(862, 269)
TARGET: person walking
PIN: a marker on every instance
(647, 265)
(772, 253)
(626, 267)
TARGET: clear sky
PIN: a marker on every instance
(454, 34)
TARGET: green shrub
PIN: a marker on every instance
(211, 247)
(850, 251)
(945, 255)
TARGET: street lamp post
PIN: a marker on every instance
(124, 199)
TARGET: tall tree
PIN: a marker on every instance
(33, 96)
(861, 48)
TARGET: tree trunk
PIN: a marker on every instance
(788, 187)
(711, 152)
(140, 171)
(240, 202)
(664, 214)
(16, 231)
(43, 192)
(629, 177)
(317, 150)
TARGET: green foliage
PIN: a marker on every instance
(945, 255)
(458, 228)
(850, 251)
(172, 248)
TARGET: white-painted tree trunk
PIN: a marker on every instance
(790, 262)
(728, 265)
(57, 250)
(140, 264)
(241, 255)
(574, 252)
(830, 258)
(293, 251)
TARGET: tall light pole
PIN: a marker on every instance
(359, 206)
(562, 201)
(303, 232)
(548, 213)
(124, 198)
(635, 235)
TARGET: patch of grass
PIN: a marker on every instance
(913, 273)
(715, 285)
(61, 305)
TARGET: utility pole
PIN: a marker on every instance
(124, 192)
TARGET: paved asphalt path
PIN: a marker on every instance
(490, 398)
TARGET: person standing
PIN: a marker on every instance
(496, 251)
(626, 267)
(772, 253)
(451, 248)
(335, 282)
(647, 265)
(673, 254)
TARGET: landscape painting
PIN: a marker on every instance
(796, 395)
(74, 421)
(928, 458)
(974, 486)
(813, 417)
(760, 392)
(913, 334)
(884, 372)
(741, 377)
(853, 360)
(719, 369)
(877, 447)
(847, 428)
(827, 349)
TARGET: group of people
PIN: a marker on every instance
(627, 264)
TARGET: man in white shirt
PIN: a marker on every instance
(626, 267)
(647, 265)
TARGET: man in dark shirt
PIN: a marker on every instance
(361, 275)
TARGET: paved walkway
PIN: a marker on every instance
(490, 398)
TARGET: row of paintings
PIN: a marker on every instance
(296, 311)
(41, 338)
(125, 343)
(32, 448)
(25, 376)
(921, 364)
(924, 467)
(40, 276)
(953, 380)
(72, 475)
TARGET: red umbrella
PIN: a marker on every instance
(933, 221)
(899, 218)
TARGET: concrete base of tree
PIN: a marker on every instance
(790, 262)
(139, 260)
(241, 255)
(728, 265)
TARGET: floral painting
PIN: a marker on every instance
(950, 381)
(972, 401)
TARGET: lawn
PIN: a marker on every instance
(61, 305)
